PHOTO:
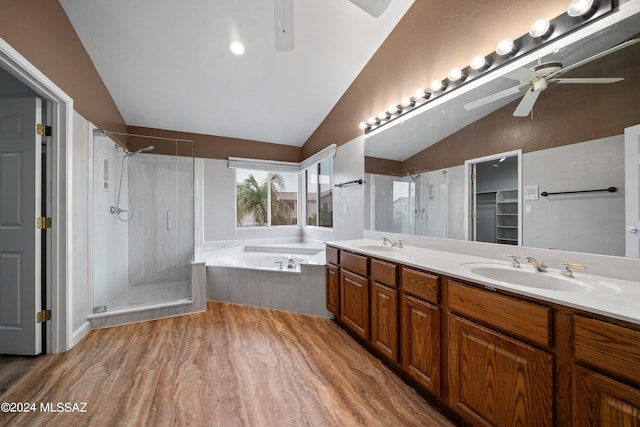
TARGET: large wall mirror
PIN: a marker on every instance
(419, 167)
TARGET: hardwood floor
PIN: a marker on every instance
(230, 366)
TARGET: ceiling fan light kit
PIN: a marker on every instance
(579, 13)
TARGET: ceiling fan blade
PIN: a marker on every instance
(521, 74)
(588, 80)
(526, 104)
(594, 57)
(284, 24)
(495, 97)
(374, 8)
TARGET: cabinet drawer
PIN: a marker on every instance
(384, 273)
(612, 348)
(354, 263)
(521, 318)
(420, 284)
(333, 255)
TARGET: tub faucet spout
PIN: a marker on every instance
(291, 263)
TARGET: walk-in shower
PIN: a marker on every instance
(142, 221)
(410, 203)
(126, 215)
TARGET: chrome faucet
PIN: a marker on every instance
(291, 263)
(386, 241)
(536, 264)
(567, 266)
(515, 260)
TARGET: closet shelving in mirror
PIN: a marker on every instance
(559, 27)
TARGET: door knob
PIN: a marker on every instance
(633, 230)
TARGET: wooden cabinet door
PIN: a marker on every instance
(496, 380)
(421, 342)
(384, 320)
(354, 302)
(333, 290)
(602, 401)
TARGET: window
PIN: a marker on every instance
(319, 196)
(266, 198)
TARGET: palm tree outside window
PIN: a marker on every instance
(266, 198)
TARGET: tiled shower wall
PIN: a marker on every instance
(109, 235)
(161, 230)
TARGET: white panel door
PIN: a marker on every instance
(20, 173)
(632, 190)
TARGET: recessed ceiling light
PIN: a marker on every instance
(236, 48)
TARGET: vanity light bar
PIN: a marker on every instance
(579, 13)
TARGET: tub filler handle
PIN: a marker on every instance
(279, 264)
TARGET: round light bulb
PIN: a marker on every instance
(406, 102)
(505, 47)
(419, 93)
(539, 28)
(393, 109)
(436, 85)
(382, 115)
(362, 125)
(579, 7)
(455, 74)
(372, 121)
(478, 62)
(236, 48)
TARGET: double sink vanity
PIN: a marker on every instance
(494, 342)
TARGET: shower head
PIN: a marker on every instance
(148, 148)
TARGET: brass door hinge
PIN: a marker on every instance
(44, 130)
(43, 316)
(43, 222)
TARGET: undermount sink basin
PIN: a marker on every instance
(376, 248)
(528, 277)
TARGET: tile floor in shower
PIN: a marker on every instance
(148, 294)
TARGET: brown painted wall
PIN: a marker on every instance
(432, 38)
(42, 33)
(215, 147)
(382, 166)
(564, 114)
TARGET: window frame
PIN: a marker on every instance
(269, 225)
(305, 176)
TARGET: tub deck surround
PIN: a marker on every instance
(249, 275)
(615, 298)
(268, 257)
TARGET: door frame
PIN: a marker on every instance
(60, 280)
(468, 196)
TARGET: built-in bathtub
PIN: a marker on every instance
(261, 276)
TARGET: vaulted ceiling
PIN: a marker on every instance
(167, 64)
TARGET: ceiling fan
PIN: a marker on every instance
(536, 79)
(284, 18)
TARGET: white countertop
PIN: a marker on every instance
(619, 299)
